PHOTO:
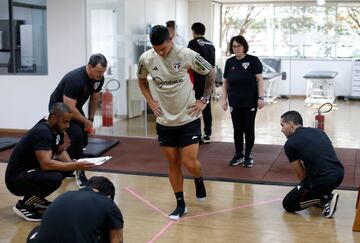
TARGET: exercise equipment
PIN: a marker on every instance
(8, 142)
(97, 146)
(320, 87)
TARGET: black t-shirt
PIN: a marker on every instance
(23, 158)
(76, 85)
(314, 148)
(79, 217)
(206, 49)
(242, 85)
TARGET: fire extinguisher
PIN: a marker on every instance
(107, 109)
(107, 102)
(320, 118)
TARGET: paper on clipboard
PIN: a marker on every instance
(96, 160)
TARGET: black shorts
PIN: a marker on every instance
(179, 136)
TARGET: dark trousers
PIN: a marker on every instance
(243, 120)
(32, 237)
(310, 192)
(207, 118)
(199, 86)
(35, 182)
(78, 140)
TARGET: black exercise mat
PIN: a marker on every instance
(97, 146)
(8, 142)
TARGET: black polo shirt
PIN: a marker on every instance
(23, 158)
(242, 85)
(314, 148)
(79, 217)
(78, 86)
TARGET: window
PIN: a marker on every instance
(301, 29)
(23, 45)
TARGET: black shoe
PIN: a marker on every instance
(68, 175)
(200, 189)
(248, 162)
(236, 160)
(330, 205)
(206, 139)
(26, 212)
(81, 179)
(178, 212)
(40, 202)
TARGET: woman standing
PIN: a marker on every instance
(243, 88)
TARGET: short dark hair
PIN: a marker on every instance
(239, 39)
(170, 24)
(158, 35)
(97, 58)
(103, 185)
(292, 116)
(198, 28)
(59, 108)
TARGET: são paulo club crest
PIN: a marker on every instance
(96, 85)
(245, 65)
(57, 139)
(176, 66)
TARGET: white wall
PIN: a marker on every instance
(296, 69)
(201, 11)
(24, 98)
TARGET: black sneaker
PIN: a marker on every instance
(178, 212)
(26, 212)
(248, 162)
(81, 179)
(330, 205)
(200, 189)
(206, 139)
(41, 203)
(69, 175)
(236, 160)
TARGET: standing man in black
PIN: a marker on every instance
(206, 49)
(74, 89)
(315, 163)
(36, 166)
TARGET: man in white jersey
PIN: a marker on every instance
(172, 99)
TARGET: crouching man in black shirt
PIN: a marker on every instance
(36, 165)
(88, 215)
(315, 163)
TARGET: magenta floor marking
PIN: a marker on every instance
(145, 201)
(168, 225)
(231, 209)
(157, 236)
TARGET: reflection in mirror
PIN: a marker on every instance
(23, 43)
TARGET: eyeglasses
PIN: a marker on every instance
(237, 46)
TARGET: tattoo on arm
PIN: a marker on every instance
(209, 83)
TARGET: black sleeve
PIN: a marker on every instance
(189, 45)
(72, 88)
(290, 152)
(226, 68)
(42, 140)
(212, 56)
(258, 68)
(115, 218)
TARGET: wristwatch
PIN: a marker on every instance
(204, 100)
(261, 98)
